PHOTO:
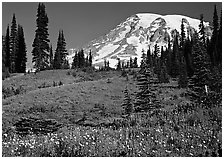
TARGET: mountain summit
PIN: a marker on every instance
(136, 34)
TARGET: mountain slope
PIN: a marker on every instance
(136, 34)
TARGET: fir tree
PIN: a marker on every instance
(51, 57)
(202, 30)
(135, 63)
(40, 45)
(149, 58)
(219, 43)
(13, 45)
(7, 50)
(60, 60)
(21, 59)
(75, 62)
(201, 69)
(119, 65)
(156, 61)
(143, 62)
(188, 57)
(81, 59)
(212, 50)
(182, 34)
(131, 62)
(174, 58)
(90, 58)
(145, 97)
(127, 104)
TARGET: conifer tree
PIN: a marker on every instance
(182, 34)
(202, 30)
(119, 65)
(188, 57)
(20, 58)
(7, 50)
(13, 45)
(135, 63)
(143, 62)
(201, 69)
(40, 45)
(174, 58)
(127, 104)
(81, 59)
(131, 62)
(51, 57)
(145, 97)
(219, 43)
(90, 58)
(212, 50)
(75, 62)
(149, 58)
(60, 52)
(168, 58)
(156, 60)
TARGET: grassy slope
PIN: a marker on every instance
(67, 103)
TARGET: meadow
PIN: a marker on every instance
(180, 128)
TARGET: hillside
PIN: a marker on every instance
(136, 34)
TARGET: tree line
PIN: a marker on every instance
(14, 49)
(196, 61)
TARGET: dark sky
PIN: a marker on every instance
(85, 21)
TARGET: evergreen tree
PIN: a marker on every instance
(188, 57)
(64, 52)
(202, 30)
(21, 59)
(40, 45)
(7, 50)
(182, 34)
(75, 62)
(212, 50)
(127, 104)
(145, 97)
(131, 62)
(168, 53)
(90, 58)
(219, 43)
(13, 44)
(51, 57)
(87, 61)
(149, 58)
(143, 62)
(60, 52)
(201, 69)
(119, 65)
(174, 58)
(57, 55)
(81, 59)
(135, 63)
(156, 60)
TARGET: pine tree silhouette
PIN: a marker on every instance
(40, 45)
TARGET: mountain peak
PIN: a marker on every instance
(138, 33)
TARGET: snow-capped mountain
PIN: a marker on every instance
(136, 34)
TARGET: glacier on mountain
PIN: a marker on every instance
(138, 33)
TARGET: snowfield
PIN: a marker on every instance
(137, 33)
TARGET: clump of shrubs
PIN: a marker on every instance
(11, 91)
